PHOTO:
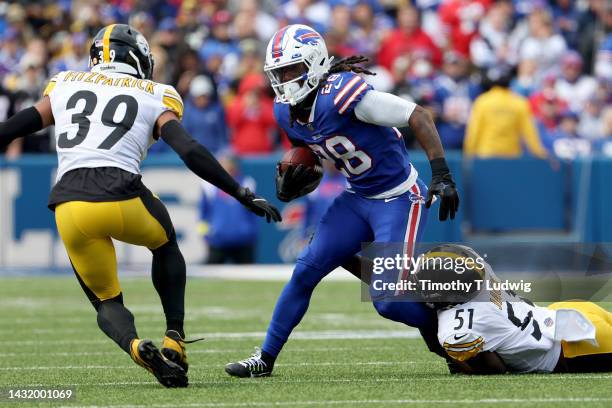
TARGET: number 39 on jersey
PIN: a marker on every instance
(106, 119)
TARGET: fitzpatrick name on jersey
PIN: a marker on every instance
(101, 79)
(373, 158)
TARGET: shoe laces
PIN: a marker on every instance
(181, 339)
(254, 363)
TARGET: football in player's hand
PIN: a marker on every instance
(300, 155)
(297, 174)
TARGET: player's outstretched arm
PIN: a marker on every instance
(26, 122)
(199, 160)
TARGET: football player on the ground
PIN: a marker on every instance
(330, 109)
(493, 331)
(105, 120)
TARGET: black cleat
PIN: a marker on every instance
(145, 354)
(253, 366)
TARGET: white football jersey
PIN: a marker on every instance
(526, 337)
(502, 323)
(106, 119)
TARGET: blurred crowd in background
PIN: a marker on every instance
(438, 53)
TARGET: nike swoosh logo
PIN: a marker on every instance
(460, 337)
(390, 199)
(339, 83)
(259, 199)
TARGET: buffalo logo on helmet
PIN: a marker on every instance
(306, 37)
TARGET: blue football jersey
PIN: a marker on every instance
(373, 158)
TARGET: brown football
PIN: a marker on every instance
(300, 155)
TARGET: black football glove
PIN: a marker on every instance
(443, 186)
(258, 205)
(296, 181)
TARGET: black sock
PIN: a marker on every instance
(176, 325)
(268, 358)
(169, 276)
(117, 322)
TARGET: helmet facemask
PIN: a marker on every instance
(293, 82)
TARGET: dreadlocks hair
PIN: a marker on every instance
(347, 64)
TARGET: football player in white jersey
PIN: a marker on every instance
(105, 120)
(487, 330)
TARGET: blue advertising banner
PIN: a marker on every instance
(498, 197)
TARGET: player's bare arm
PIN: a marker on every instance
(484, 363)
(425, 131)
(386, 109)
(442, 183)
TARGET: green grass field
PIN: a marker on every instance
(343, 354)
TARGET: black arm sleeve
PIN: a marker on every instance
(23, 123)
(197, 158)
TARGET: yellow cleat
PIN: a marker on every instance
(145, 354)
(173, 348)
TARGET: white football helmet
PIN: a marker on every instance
(291, 47)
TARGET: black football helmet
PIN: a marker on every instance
(121, 48)
(444, 264)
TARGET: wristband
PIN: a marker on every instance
(439, 167)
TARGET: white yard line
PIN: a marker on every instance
(260, 272)
(121, 366)
(298, 335)
(68, 367)
(453, 378)
(209, 351)
(363, 402)
(322, 335)
(446, 378)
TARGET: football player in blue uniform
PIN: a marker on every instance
(327, 107)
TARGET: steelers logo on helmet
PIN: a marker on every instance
(445, 275)
(142, 44)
